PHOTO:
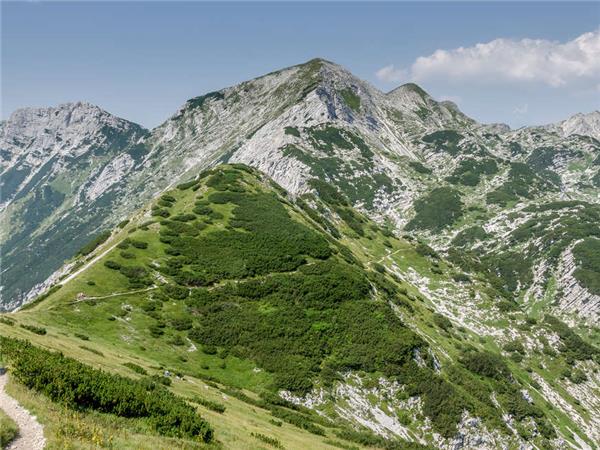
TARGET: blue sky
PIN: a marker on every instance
(142, 60)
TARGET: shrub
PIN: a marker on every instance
(177, 340)
(369, 439)
(37, 330)
(187, 185)
(78, 386)
(136, 368)
(514, 346)
(7, 321)
(181, 323)
(587, 256)
(507, 306)
(138, 244)
(486, 364)
(94, 243)
(436, 210)
(442, 321)
(379, 267)
(420, 168)
(425, 250)
(41, 297)
(273, 442)
(293, 131)
(112, 264)
(155, 331)
(175, 292)
(209, 349)
(444, 141)
(91, 350)
(578, 376)
(213, 406)
(572, 345)
(298, 420)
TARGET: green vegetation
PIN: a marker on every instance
(198, 102)
(486, 364)
(8, 430)
(94, 243)
(243, 291)
(213, 406)
(80, 387)
(469, 236)
(34, 329)
(368, 439)
(293, 131)
(587, 256)
(469, 171)
(436, 210)
(573, 347)
(351, 99)
(523, 182)
(442, 321)
(137, 369)
(420, 168)
(444, 141)
(273, 442)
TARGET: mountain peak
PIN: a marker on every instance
(410, 88)
(62, 116)
(581, 123)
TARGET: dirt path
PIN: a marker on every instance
(88, 264)
(31, 433)
(115, 294)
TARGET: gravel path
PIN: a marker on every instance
(31, 433)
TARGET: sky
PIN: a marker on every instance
(512, 62)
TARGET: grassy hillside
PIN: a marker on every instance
(272, 317)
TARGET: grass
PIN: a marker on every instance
(64, 428)
(120, 340)
(8, 429)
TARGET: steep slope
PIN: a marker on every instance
(233, 284)
(57, 166)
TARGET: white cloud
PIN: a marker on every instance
(506, 60)
(391, 74)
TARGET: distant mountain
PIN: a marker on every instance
(474, 192)
(582, 124)
(59, 166)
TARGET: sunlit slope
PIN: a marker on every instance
(248, 296)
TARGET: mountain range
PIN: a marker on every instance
(72, 171)
(478, 245)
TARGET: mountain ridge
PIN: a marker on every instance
(316, 120)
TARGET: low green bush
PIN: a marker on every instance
(136, 368)
(94, 243)
(34, 329)
(80, 387)
(213, 406)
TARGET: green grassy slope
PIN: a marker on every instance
(238, 293)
